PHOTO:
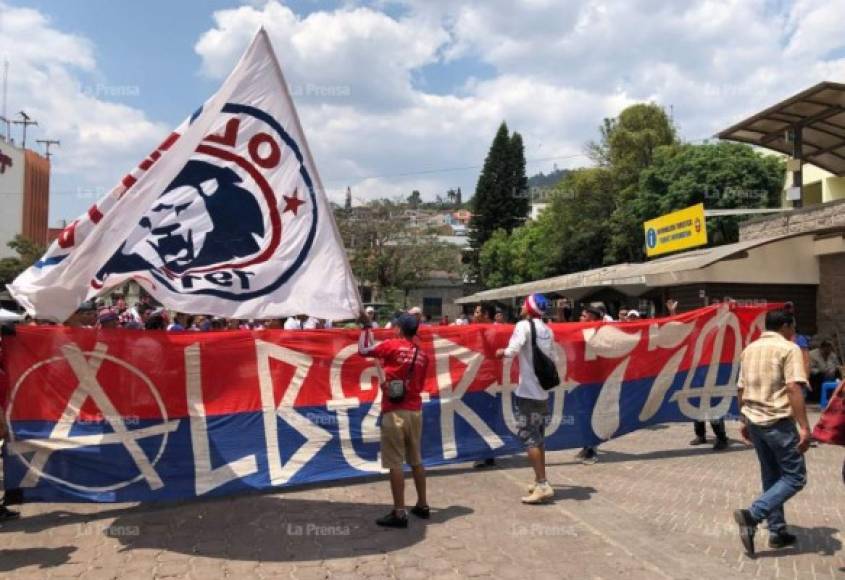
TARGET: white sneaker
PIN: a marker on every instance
(539, 493)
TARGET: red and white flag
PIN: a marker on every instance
(226, 217)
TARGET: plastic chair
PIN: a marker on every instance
(827, 390)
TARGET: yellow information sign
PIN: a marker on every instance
(675, 231)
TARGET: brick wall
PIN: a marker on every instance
(808, 219)
(831, 296)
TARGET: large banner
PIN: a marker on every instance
(121, 415)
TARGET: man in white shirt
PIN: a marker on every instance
(300, 322)
(531, 401)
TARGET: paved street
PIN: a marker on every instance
(652, 508)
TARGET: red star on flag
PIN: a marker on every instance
(292, 203)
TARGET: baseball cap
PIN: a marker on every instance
(415, 310)
(369, 309)
(536, 304)
(408, 323)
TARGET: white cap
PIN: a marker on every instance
(634, 313)
(415, 310)
(369, 309)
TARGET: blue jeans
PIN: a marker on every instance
(782, 469)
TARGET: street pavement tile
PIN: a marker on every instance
(651, 508)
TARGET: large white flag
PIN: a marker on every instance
(227, 217)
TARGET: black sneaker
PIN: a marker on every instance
(698, 441)
(482, 463)
(747, 528)
(583, 453)
(781, 540)
(421, 511)
(7, 515)
(720, 445)
(392, 520)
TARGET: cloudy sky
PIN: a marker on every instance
(398, 95)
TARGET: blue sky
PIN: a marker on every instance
(396, 94)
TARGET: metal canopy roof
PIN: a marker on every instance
(820, 114)
(640, 276)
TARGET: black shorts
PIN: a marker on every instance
(532, 416)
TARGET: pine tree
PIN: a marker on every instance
(500, 200)
(520, 205)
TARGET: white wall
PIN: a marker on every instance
(11, 198)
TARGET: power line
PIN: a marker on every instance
(446, 169)
(92, 192)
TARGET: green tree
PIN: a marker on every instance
(415, 199)
(721, 176)
(387, 254)
(28, 253)
(570, 235)
(501, 194)
(520, 199)
(628, 144)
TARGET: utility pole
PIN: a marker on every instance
(47, 143)
(3, 117)
(25, 121)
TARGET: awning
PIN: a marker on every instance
(687, 267)
(819, 112)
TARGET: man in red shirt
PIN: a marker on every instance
(5, 513)
(404, 364)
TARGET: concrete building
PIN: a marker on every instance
(537, 207)
(24, 196)
(819, 187)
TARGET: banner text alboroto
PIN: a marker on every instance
(116, 415)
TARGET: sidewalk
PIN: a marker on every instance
(651, 508)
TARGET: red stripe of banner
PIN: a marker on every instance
(139, 366)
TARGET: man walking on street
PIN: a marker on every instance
(531, 401)
(589, 455)
(771, 376)
(404, 364)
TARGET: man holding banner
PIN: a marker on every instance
(531, 400)
(405, 367)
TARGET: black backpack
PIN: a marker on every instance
(544, 367)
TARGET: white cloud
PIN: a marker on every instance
(53, 77)
(558, 67)
(359, 55)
